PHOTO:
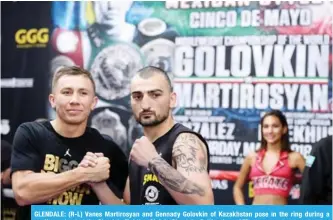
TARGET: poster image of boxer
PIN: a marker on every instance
(108, 122)
(103, 42)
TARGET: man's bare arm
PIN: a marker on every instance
(190, 157)
(32, 188)
(107, 197)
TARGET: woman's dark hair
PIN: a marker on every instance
(285, 144)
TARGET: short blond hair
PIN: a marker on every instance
(71, 71)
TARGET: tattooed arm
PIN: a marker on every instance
(189, 183)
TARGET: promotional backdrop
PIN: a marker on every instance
(230, 63)
(25, 57)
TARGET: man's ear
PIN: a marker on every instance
(173, 100)
(94, 103)
(52, 100)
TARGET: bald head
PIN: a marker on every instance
(150, 71)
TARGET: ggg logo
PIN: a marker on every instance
(26, 38)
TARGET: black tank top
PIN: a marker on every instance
(145, 188)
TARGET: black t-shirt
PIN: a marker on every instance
(38, 147)
(316, 187)
(145, 187)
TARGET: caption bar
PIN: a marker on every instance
(181, 212)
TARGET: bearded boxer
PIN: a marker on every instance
(167, 162)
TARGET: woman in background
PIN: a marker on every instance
(272, 168)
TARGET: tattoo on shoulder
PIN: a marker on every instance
(189, 153)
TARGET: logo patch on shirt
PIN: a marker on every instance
(309, 160)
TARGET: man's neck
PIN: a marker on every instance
(153, 133)
(68, 130)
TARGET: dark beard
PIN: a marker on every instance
(153, 123)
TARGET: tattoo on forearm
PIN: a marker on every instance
(172, 179)
(185, 152)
